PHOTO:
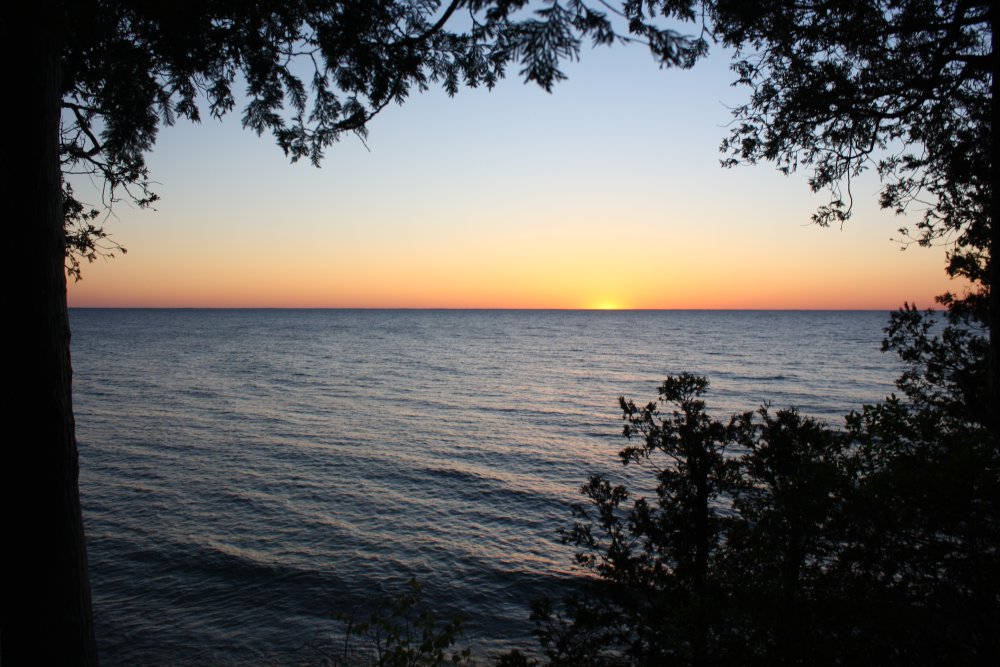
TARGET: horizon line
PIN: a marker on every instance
(480, 308)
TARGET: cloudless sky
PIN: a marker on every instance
(606, 193)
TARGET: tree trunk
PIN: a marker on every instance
(701, 467)
(46, 609)
(994, 298)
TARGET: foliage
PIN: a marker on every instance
(309, 71)
(98, 78)
(654, 559)
(399, 632)
(677, 579)
(787, 502)
(775, 539)
(945, 362)
(877, 544)
(770, 538)
(901, 87)
(920, 555)
(904, 87)
(84, 239)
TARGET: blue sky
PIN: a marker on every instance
(606, 193)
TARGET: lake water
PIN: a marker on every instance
(246, 473)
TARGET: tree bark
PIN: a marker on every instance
(46, 607)
(994, 298)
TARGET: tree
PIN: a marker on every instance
(876, 544)
(904, 87)
(774, 539)
(730, 563)
(788, 499)
(879, 543)
(656, 599)
(94, 80)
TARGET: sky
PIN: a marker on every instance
(606, 193)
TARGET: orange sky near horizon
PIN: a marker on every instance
(811, 269)
(606, 193)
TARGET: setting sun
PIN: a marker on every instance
(606, 305)
(417, 223)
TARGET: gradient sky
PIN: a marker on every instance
(606, 193)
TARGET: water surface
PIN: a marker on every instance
(244, 473)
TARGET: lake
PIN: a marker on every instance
(247, 473)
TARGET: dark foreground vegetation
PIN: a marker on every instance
(771, 539)
(774, 539)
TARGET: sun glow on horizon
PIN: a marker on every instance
(606, 305)
(443, 214)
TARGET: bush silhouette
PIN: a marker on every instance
(775, 539)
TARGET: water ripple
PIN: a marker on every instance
(246, 473)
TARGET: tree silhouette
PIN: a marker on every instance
(659, 558)
(774, 539)
(904, 88)
(94, 81)
(877, 544)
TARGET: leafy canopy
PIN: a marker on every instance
(871, 544)
(305, 71)
(903, 87)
